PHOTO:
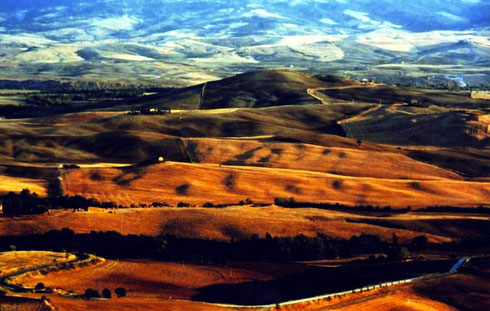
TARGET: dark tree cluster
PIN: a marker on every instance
(25, 203)
(106, 293)
(292, 203)
(114, 245)
(167, 247)
(68, 97)
(452, 209)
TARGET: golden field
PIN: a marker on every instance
(199, 183)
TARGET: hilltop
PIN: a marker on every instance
(255, 89)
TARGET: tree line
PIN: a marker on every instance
(114, 245)
(27, 203)
(292, 203)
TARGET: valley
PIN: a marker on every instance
(194, 155)
(236, 187)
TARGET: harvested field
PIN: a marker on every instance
(373, 149)
(130, 304)
(351, 161)
(22, 304)
(11, 262)
(388, 301)
(199, 183)
(244, 221)
(144, 278)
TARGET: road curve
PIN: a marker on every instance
(5, 280)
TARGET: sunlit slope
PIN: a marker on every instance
(199, 183)
(17, 184)
(355, 160)
(106, 137)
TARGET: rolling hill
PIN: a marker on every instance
(255, 89)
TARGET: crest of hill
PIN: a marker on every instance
(461, 52)
(257, 89)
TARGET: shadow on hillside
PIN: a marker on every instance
(316, 281)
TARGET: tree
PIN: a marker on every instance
(120, 292)
(419, 242)
(25, 203)
(397, 253)
(247, 201)
(285, 202)
(39, 286)
(106, 293)
(91, 293)
(395, 239)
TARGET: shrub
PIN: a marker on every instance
(183, 204)
(91, 293)
(109, 205)
(106, 293)
(285, 202)
(159, 204)
(397, 253)
(39, 286)
(121, 292)
(419, 242)
(247, 201)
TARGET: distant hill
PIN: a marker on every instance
(183, 43)
(257, 89)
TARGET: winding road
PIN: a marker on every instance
(4, 280)
(5, 284)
